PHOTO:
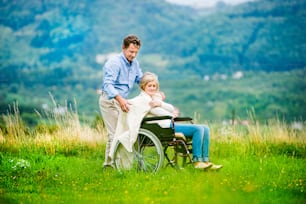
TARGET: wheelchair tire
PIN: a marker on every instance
(147, 155)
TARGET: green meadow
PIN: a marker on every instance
(60, 160)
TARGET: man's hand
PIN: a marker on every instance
(125, 107)
(124, 104)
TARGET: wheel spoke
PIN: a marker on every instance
(147, 151)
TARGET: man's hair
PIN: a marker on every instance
(131, 39)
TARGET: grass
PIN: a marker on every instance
(61, 163)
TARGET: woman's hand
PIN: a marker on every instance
(176, 112)
(155, 103)
(163, 96)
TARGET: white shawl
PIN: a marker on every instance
(129, 123)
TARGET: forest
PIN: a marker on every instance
(216, 65)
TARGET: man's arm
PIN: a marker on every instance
(124, 104)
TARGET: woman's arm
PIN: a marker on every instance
(163, 109)
(167, 106)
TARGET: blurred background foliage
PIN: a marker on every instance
(215, 63)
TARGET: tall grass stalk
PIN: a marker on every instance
(255, 138)
(15, 127)
(56, 132)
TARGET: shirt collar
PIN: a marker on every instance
(125, 60)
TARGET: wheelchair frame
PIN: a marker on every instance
(153, 145)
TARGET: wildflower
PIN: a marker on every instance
(21, 164)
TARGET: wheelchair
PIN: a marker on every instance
(155, 147)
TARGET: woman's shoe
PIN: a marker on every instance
(202, 165)
(214, 166)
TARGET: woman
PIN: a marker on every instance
(200, 134)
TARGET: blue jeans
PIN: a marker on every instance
(200, 135)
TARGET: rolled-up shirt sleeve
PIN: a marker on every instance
(110, 72)
(139, 75)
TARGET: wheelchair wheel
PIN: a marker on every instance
(147, 155)
(178, 154)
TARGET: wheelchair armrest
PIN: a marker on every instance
(180, 119)
(156, 118)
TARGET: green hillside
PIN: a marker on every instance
(50, 47)
(258, 36)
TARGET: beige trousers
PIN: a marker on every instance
(110, 109)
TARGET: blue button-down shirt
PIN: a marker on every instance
(119, 76)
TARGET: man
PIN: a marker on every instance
(119, 75)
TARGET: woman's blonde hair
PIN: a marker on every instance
(148, 77)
